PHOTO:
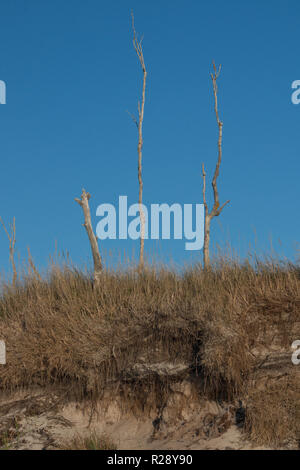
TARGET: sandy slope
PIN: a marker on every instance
(42, 421)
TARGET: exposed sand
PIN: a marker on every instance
(41, 421)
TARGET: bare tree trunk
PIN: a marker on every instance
(139, 123)
(216, 210)
(206, 240)
(12, 241)
(84, 203)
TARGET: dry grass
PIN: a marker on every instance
(59, 330)
(9, 433)
(91, 442)
(273, 416)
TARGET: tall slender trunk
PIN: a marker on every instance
(216, 209)
(206, 240)
(137, 44)
(140, 156)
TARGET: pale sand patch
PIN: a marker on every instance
(41, 422)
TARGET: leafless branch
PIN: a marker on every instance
(216, 209)
(134, 119)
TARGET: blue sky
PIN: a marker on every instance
(71, 74)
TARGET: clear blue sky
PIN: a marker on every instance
(71, 74)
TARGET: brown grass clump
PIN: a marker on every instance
(273, 415)
(224, 323)
(91, 442)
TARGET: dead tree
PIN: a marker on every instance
(84, 203)
(216, 209)
(12, 242)
(137, 44)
